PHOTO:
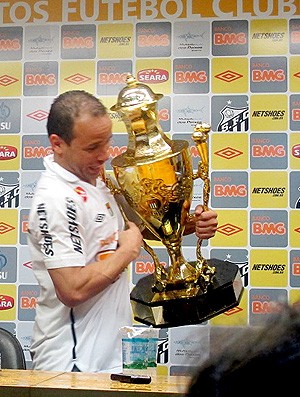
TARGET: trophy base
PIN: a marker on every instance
(223, 293)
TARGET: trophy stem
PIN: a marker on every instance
(180, 270)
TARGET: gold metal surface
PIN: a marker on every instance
(155, 176)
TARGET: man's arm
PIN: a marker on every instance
(75, 285)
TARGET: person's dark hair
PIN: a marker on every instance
(67, 107)
(260, 361)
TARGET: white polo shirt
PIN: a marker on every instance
(70, 223)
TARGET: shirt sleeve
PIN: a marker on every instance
(57, 228)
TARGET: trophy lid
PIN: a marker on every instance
(135, 94)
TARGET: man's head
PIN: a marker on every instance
(67, 107)
(79, 130)
(258, 361)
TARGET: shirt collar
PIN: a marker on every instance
(51, 165)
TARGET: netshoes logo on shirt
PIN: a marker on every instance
(73, 225)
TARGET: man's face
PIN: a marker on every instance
(88, 150)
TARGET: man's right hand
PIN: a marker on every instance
(131, 239)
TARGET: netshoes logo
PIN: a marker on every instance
(275, 114)
(275, 269)
(275, 191)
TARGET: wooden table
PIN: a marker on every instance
(28, 383)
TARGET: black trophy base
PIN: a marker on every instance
(223, 293)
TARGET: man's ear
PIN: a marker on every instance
(56, 143)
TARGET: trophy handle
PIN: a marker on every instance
(159, 269)
(200, 137)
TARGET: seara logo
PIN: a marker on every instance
(6, 302)
(153, 76)
(296, 151)
(8, 152)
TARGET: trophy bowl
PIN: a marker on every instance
(155, 181)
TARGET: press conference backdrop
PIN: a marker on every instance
(233, 64)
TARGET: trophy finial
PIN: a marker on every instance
(135, 95)
(130, 80)
(201, 131)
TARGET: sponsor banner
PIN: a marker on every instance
(8, 265)
(263, 302)
(9, 189)
(269, 228)
(267, 37)
(77, 76)
(25, 274)
(229, 152)
(11, 43)
(40, 78)
(10, 116)
(295, 189)
(294, 228)
(9, 152)
(295, 111)
(27, 297)
(294, 272)
(111, 76)
(231, 113)
(230, 38)
(229, 75)
(8, 226)
(268, 151)
(232, 229)
(229, 189)
(34, 149)
(41, 42)
(191, 39)
(35, 114)
(23, 226)
(117, 42)
(29, 182)
(186, 114)
(268, 269)
(156, 73)
(153, 38)
(294, 74)
(294, 29)
(8, 304)
(191, 76)
(294, 153)
(268, 74)
(268, 189)
(78, 41)
(268, 112)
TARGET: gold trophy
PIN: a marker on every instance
(155, 182)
